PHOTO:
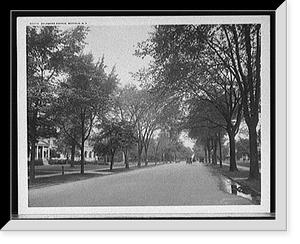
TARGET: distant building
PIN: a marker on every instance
(46, 149)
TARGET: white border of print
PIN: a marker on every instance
(149, 211)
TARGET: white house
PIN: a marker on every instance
(44, 147)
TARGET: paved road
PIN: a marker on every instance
(164, 185)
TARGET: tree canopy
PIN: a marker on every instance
(215, 63)
(203, 79)
(83, 98)
(48, 50)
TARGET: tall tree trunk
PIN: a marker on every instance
(205, 154)
(251, 108)
(82, 158)
(232, 166)
(214, 144)
(155, 159)
(32, 159)
(220, 149)
(156, 154)
(32, 150)
(126, 158)
(73, 147)
(146, 157)
(146, 154)
(254, 169)
(82, 146)
(112, 159)
(170, 158)
(213, 157)
(140, 150)
(250, 89)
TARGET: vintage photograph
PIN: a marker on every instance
(146, 115)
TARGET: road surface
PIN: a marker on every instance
(164, 185)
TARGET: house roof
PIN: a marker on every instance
(42, 143)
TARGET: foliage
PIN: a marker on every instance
(48, 50)
(217, 63)
(147, 112)
(114, 136)
(242, 147)
(83, 97)
(36, 162)
(202, 78)
(169, 147)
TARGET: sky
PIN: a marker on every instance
(117, 44)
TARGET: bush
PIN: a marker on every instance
(93, 162)
(37, 162)
(57, 161)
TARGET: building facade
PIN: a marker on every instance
(46, 149)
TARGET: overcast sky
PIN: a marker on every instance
(117, 44)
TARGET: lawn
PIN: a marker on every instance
(61, 179)
(241, 163)
(90, 172)
(54, 169)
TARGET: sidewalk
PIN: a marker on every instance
(44, 171)
(96, 171)
(239, 167)
(56, 170)
(73, 174)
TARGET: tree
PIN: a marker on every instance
(169, 142)
(127, 139)
(207, 125)
(66, 143)
(119, 112)
(48, 49)
(147, 112)
(113, 136)
(247, 72)
(199, 151)
(108, 142)
(238, 49)
(194, 60)
(163, 113)
(153, 150)
(242, 147)
(130, 107)
(83, 97)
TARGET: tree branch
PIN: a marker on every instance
(69, 135)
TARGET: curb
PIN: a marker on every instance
(241, 183)
(238, 182)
